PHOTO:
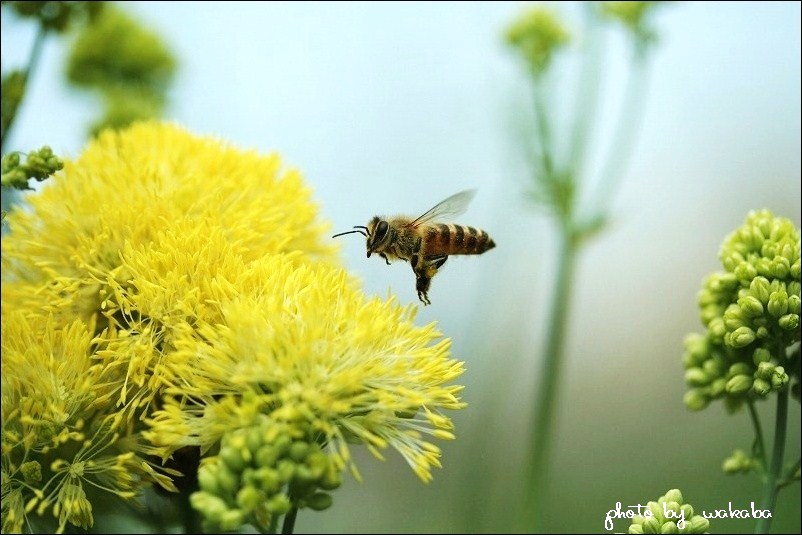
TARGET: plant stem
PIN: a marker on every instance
(761, 445)
(543, 130)
(771, 488)
(190, 518)
(33, 61)
(541, 427)
(788, 477)
(623, 138)
(289, 521)
(587, 92)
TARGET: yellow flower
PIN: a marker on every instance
(309, 348)
(166, 270)
(59, 433)
(140, 234)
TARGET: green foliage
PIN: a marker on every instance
(13, 89)
(130, 66)
(57, 16)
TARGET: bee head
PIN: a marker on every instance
(378, 235)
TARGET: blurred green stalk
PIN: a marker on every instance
(771, 486)
(562, 188)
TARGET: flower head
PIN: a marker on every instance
(198, 280)
(538, 34)
(59, 432)
(303, 352)
(751, 311)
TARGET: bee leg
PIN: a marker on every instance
(425, 269)
(385, 258)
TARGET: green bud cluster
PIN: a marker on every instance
(751, 311)
(738, 463)
(538, 34)
(260, 473)
(669, 515)
(39, 164)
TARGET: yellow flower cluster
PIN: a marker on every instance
(162, 270)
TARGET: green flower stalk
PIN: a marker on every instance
(557, 186)
(669, 515)
(750, 350)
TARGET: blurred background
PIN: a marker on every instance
(388, 108)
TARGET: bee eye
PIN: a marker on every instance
(381, 230)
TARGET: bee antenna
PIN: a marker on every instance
(361, 226)
(351, 232)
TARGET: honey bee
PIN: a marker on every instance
(425, 241)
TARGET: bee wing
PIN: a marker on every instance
(451, 207)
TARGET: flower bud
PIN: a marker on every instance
(319, 501)
(696, 377)
(751, 306)
(765, 370)
(745, 271)
(742, 337)
(278, 504)
(778, 304)
(695, 399)
(761, 387)
(698, 524)
(760, 288)
(739, 384)
(669, 527)
(781, 267)
(739, 368)
(651, 525)
(761, 354)
(779, 379)
(794, 304)
(789, 322)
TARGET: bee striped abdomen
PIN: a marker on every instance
(449, 239)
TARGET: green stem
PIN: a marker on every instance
(790, 475)
(33, 61)
(189, 516)
(771, 488)
(624, 134)
(541, 427)
(289, 521)
(543, 130)
(761, 445)
(587, 92)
